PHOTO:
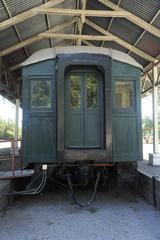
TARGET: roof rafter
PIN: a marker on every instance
(88, 43)
(122, 42)
(60, 44)
(82, 12)
(111, 21)
(142, 34)
(76, 37)
(149, 67)
(48, 27)
(37, 37)
(76, 24)
(133, 18)
(27, 14)
(81, 20)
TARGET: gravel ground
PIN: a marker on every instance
(113, 216)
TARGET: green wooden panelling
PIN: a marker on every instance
(127, 135)
(41, 135)
(39, 123)
(124, 70)
(85, 125)
(125, 140)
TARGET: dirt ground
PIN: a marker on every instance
(113, 216)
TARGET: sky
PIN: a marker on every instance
(7, 109)
(146, 106)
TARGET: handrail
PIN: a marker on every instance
(13, 156)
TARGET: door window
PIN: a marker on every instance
(75, 98)
(92, 90)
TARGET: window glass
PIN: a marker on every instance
(75, 99)
(92, 90)
(40, 93)
(124, 94)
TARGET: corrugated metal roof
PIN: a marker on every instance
(32, 26)
(8, 38)
(19, 6)
(126, 30)
(145, 9)
(3, 13)
(16, 57)
(149, 44)
(156, 22)
(37, 46)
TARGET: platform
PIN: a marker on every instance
(148, 183)
(17, 174)
(151, 171)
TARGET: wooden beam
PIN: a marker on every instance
(122, 42)
(76, 24)
(81, 21)
(133, 18)
(48, 26)
(83, 12)
(60, 44)
(149, 67)
(111, 21)
(88, 43)
(15, 67)
(15, 28)
(28, 14)
(37, 37)
(75, 37)
(140, 37)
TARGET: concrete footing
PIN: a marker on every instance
(148, 183)
(4, 189)
(154, 159)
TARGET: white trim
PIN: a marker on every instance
(50, 53)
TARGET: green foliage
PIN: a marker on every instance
(7, 129)
(147, 128)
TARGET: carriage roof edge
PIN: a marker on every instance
(51, 53)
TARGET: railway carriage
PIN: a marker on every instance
(81, 110)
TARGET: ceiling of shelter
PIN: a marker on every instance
(26, 26)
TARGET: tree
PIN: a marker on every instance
(2, 127)
(7, 129)
(147, 128)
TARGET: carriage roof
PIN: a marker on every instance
(51, 53)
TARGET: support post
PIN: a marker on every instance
(154, 159)
(17, 123)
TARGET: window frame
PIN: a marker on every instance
(131, 109)
(41, 108)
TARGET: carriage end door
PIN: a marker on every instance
(83, 109)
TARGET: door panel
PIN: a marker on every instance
(83, 110)
(92, 106)
(73, 110)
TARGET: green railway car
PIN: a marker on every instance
(82, 109)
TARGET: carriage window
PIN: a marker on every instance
(40, 93)
(124, 94)
(75, 99)
(92, 89)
